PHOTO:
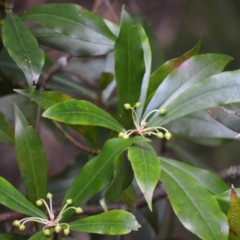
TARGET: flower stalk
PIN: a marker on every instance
(53, 223)
(141, 126)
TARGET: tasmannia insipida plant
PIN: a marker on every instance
(148, 106)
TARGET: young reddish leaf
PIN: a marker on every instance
(161, 73)
(233, 216)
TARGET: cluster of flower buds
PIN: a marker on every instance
(141, 126)
(51, 223)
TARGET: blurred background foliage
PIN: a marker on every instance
(174, 27)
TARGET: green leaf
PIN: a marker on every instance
(40, 236)
(228, 115)
(81, 112)
(233, 216)
(147, 54)
(45, 99)
(122, 178)
(146, 168)
(115, 222)
(200, 124)
(13, 199)
(98, 172)
(6, 132)
(31, 157)
(23, 48)
(209, 180)
(211, 92)
(191, 72)
(70, 24)
(163, 71)
(195, 207)
(129, 67)
(69, 44)
(9, 236)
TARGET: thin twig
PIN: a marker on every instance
(231, 173)
(111, 10)
(74, 142)
(96, 6)
(62, 61)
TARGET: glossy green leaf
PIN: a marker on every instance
(98, 172)
(209, 180)
(115, 222)
(81, 112)
(195, 207)
(6, 132)
(200, 124)
(122, 178)
(13, 199)
(146, 168)
(211, 92)
(40, 236)
(190, 73)
(147, 55)
(70, 24)
(228, 115)
(129, 67)
(45, 99)
(69, 44)
(233, 216)
(163, 71)
(23, 48)
(9, 236)
(31, 157)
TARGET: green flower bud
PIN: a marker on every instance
(16, 223)
(58, 228)
(127, 106)
(49, 195)
(138, 105)
(22, 227)
(162, 111)
(125, 136)
(168, 135)
(39, 203)
(120, 135)
(160, 135)
(69, 201)
(66, 231)
(46, 232)
(79, 210)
